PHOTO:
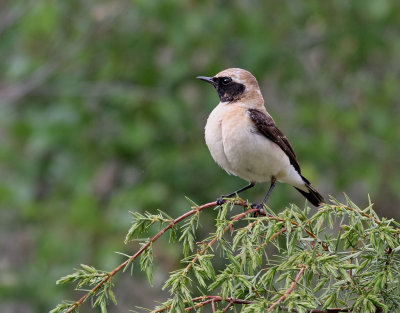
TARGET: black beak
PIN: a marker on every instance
(207, 79)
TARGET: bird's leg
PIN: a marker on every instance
(220, 199)
(259, 206)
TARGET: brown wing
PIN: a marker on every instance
(265, 125)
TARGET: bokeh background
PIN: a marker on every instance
(100, 113)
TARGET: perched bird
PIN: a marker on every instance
(244, 140)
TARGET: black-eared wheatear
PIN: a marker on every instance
(244, 140)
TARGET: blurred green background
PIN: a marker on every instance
(100, 113)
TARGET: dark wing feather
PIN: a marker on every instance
(265, 125)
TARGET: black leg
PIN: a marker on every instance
(220, 200)
(261, 205)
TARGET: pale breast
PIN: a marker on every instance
(213, 136)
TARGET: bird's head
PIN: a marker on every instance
(235, 84)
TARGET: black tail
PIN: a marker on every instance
(311, 195)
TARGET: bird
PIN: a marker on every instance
(244, 140)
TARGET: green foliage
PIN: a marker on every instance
(188, 235)
(142, 222)
(340, 257)
(90, 277)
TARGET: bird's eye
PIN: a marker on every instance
(226, 80)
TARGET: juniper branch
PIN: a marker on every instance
(142, 249)
(204, 300)
(211, 242)
(288, 292)
(357, 269)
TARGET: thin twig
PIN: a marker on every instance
(212, 300)
(289, 291)
(200, 304)
(230, 304)
(205, 300)
(213, 306)
(332, 310)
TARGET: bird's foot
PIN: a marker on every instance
(259, 207)
(220, 200)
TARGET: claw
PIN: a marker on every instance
(257, 206)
